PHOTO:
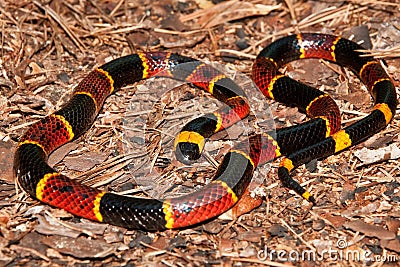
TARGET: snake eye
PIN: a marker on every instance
(187, 152)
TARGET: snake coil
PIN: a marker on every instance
(316, 138)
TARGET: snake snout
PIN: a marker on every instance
(187, 152)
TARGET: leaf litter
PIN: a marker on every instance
(47, 47)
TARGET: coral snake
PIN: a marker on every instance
(319, 137)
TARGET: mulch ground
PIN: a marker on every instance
(47, 47)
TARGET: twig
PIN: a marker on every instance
(299, 237)
(291, 11)
(59, 20)
(30, 250)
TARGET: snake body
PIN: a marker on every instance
(319, 137)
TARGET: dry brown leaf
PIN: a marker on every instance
(368, 209)
(80, 248)
(6, 168)
(369, 156)
(86, 161)
(391, 244)
(336, 221)
(370, 230)
(59, 154)
(229, 11)
(393, 224)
